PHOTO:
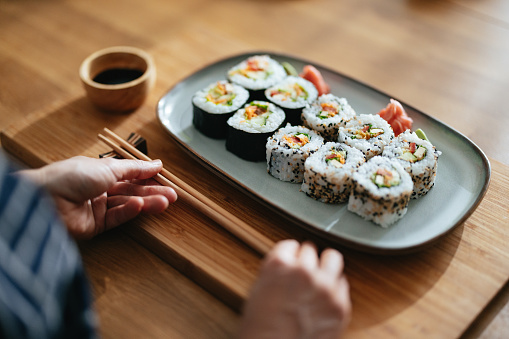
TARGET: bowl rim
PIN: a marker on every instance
(146, 57)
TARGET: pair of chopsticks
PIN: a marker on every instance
(231, 223)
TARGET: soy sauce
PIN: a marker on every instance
(115, 76)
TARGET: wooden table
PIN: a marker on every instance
(162, 276)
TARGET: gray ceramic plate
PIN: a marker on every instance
(462, 179)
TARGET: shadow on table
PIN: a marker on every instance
(385, 286)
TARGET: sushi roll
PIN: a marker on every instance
(327, 114)
(256, 74)
(368, 133)
(292, 94)
(288, 149)
(418, 157)
(214, 105)
(381, 191)
(249, 128)
(328, 172)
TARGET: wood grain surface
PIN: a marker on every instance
(446, 58)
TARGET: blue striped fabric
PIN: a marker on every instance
(43, 288)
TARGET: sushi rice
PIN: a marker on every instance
(326, 114)
(381, 191)
(328, 172)
(288, 149)
(418, 157)
(257, 72)
(368, 133)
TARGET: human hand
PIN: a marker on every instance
(94, 195)
(298, 295)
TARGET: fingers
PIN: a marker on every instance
(126, 169)
(331, 262)
(122, 213)
(307, 256)
(285, 251)
(130, 189)
(151, 204)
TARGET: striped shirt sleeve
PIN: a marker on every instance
(43, 288)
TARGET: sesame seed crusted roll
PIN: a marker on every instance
(327, 114)
(418, 157)
(368, 133)
(328, 172)
(288, 149)
(381, 191)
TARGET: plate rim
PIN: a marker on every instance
(486, 166)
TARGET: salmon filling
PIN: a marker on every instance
(297, 140)
(328, 111)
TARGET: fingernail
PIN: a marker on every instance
(156, 162)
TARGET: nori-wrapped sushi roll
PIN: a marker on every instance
(292, 94)
(256, 74)
(249, 128)
(214, 105)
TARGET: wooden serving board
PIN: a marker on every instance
(436, 292)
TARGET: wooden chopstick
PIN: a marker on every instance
(231, 223)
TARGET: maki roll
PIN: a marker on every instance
(328, 172)
(292, 94)
(381, 191)
(327, 114)
(418, 157)
(249, 128)
(256, 74)
(288, 149)
(214, 105)
(368, 133)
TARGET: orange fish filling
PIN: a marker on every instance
(254, 111)
(329, 109)
(297, 140)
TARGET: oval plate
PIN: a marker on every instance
(462, 179)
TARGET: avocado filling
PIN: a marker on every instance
(413, 153)
(291, 92)
(257, 113)
(367, 132)
(221, 94)
(328, 110)
(386, 178)
(336, 158)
